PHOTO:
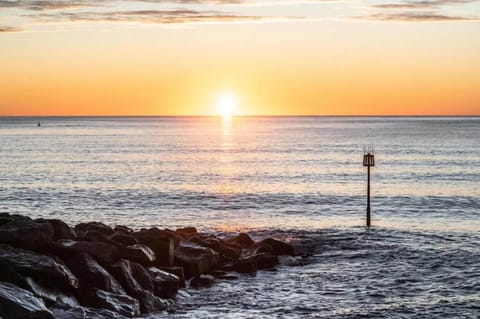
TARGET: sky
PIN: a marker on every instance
(273, 57)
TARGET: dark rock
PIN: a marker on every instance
(253, 262)
(84, 313)
(123, 229)
(93, 235)
(242, 240)
(195, 259)
(165, 284)
(50, 294)
(177, 271)
(18, 303)
(60, 229)
(279, 247)
(37, 266)
(187, 232)
(138, 253)
(150, 303)
(133, 277)
(103, 252)
(160, 242)
(91, 274)
(123, 238)
(257, 248)
(9, 274)
(202, 281)
(121, 304)
(97, 226)
(23, 232)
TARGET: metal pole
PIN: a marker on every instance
(368, 198)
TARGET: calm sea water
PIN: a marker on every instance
(298, 178)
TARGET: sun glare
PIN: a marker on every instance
(226, 104)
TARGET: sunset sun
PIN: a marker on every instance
(226, 104)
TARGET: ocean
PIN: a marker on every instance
(295, 178)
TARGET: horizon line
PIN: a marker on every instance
(253, 115)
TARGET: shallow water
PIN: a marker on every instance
(293, 178)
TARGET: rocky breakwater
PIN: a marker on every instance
(51, 270)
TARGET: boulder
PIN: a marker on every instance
(165, 284)
(123, 229)
(177, 271)
(42, 267)
(279, 247)
(187, 232)
(84, 313)
(60, 229)
(138, 283)
(160, 242)
(202, 281)
(97, 226)
(91, 274)
(23, 232)
(133, 277)
(123, 238)
(121, 304)
(150, 303)
(103, 252)
(195, 259)
(255, 262)
(226, 251)
(50, 294)
(93, 235)
(18, 303)
(242, 240)
(138, 253)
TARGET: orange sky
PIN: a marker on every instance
(324, 66)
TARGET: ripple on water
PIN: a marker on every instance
(355, 273)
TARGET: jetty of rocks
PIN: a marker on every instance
(51, 270)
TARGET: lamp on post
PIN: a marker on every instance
(368, 161)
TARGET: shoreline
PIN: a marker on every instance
(52, 270)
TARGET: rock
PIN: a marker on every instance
(242, 240)
(9, 274)
(123, 238)
(37, 266)
(23, 232)
(165, 284)
(84, 313)
(253, 262)
(150, 303)
(122, 229)
(257, 248)
(103, 252)
(226, 251)
(177, 271)
(186, 232)
(202, 281)
(91, 274)
(93, 235)
(133, 277)
(160, 242)
(195, 259)
(17, 303)
(97, 226)
(279, 247)
(60, 229)
(50, 294)
(121, 304)
(138, 253)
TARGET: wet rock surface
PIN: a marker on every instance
(95, 271)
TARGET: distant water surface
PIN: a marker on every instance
(291, 177)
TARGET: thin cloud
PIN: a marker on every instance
(152, 16)
(4, 28)
(415, 17)
(424, 4)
